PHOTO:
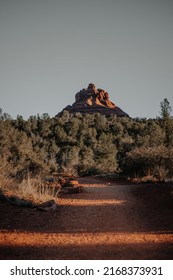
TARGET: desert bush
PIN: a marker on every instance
(36, 190)
(153, 161)
(5, 182)
(30, 189)
(161, 172)
(144, 179)
(86, 145)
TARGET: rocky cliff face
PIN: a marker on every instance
(92, 100)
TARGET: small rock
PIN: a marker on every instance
(47, 206)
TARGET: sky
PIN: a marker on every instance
(50, 49)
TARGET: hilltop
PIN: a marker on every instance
(92, 100)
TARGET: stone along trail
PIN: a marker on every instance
(108, 221)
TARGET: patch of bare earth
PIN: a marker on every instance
(108, 221)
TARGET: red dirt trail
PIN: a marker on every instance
(110, 220)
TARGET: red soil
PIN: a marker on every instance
(108, 221)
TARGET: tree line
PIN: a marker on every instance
(87, 144)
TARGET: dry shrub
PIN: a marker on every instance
(5, 182)
(36, 191)
(33, 190)
(150, 161)
(144, 179)
(161, 173)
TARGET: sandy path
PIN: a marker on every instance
(108, 221)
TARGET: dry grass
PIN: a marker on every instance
(36, 191)
(144, 179)
(158, 174)
(5, 182)
(29, 189)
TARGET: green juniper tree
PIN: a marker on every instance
(167, 121)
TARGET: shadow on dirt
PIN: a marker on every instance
(145, 208)
(115, 209)
(116, 252)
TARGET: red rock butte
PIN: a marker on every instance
(92, 100)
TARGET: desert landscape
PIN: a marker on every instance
(86, 132)
(110, 219)
(89, 183)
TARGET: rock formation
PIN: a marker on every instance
(92, 100)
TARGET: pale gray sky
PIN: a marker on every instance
(50, 49)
